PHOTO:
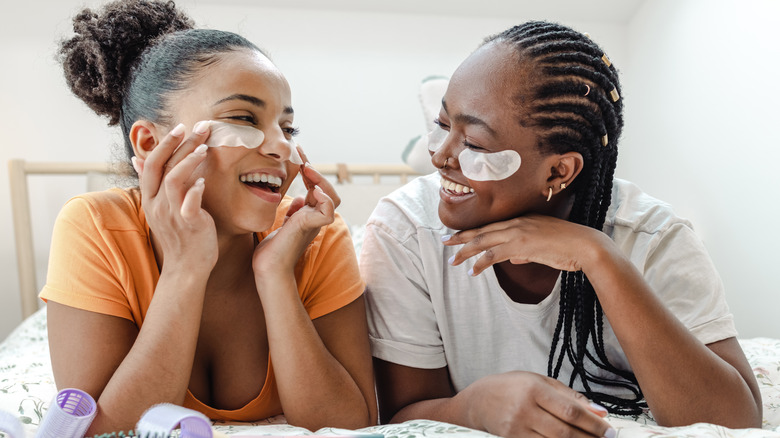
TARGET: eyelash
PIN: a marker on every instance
(471, 146)
(250, 119)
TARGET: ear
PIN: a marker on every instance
(563, 170)
(144, 136)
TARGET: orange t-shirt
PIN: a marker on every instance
(101, 260)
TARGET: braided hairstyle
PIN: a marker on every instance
(128, 61)
(573, 103)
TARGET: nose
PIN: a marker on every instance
(447, 153)
(276, 145)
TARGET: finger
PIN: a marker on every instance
(548, 425)
(295, 205)
(572, 408)
(481, 242)
(177, 180)
(324, 202)
(191, 205)
(466, 236)
(154, 165)
(200, 133)
(317, 179)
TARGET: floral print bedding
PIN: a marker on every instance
(27, 388)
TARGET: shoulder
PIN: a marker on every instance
(115, 208)
(409, 209)
(635, 211)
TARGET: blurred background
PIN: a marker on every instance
(699, 82)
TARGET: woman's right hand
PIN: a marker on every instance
(519, 404)
(172, 198)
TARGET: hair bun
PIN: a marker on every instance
(97, 60)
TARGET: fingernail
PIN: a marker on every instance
(135, 165)
(471, 272)
(201, 127)
(610, 433)
(200, 182)
(446, 237)
(178, 130)
(598, 407)
(451, 260)
(201, 149)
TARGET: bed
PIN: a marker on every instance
(27, 386)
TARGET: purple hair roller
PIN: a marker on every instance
(69, 416)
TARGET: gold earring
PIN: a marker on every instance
(549, 194)
(563, 186)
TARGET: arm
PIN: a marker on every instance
(510, 404)
(655, 342)
(322, 367)
(125, 369)
(658, 345)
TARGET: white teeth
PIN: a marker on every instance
(261, 177)
(455, 187)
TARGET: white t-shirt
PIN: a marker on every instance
(424, 313)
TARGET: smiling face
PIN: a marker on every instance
(480, 112)
(243, 186)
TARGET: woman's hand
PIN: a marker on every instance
(171, 198)
(281, 249)
(519, 404)
(546, 240)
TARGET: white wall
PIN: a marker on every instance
(702, 133)
(354, 76)
(699, 88)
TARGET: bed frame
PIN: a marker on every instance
(344, 175)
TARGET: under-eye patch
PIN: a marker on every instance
(231, 135)
(488, 166)
(436, 138)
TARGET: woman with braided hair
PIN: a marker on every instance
(204, 286)
(525, 291)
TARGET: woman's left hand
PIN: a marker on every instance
(304, 219)
(546, 240)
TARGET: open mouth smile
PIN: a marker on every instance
(262, 181)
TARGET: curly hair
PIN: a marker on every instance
(573, 102)
(127, 61)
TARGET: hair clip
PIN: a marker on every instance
(606, 60)
(614, 94)
(604, 140)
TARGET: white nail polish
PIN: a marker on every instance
(610, 433)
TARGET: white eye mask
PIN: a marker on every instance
(479, 166)
(231, 135)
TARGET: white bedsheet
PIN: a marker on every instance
(27, 387)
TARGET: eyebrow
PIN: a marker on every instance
(470, 120)
(251, 99)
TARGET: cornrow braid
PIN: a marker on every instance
(575, 105)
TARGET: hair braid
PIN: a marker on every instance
(575, 105)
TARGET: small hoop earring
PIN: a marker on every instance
(549, 194)
(445, 163)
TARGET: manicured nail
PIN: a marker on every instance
(446, 237)
(201, 127)
(451, 260)
(200, 182)
(610, 433)
(471, 272)
(178, 130)
(135, 165)
(201, 149)
(598, 407)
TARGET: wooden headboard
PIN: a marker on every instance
(365, 183)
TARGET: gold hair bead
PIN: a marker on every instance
(604, 140)
(606, 60)
(614, 94)
(587, 35)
